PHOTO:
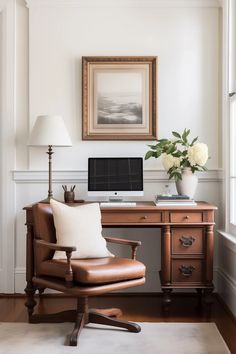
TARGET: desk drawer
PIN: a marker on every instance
(187, 270)
(187, 240)
(186, 217)
(130, 218)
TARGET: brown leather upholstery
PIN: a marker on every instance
(78, 277)
(95, 271)
(44, 230)
(87, 271)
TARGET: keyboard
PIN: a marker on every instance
(118, 204)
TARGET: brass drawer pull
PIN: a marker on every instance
(186, 217)
(187, 241)
(186, 271)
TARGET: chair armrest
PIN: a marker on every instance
(68, 250)
(55, 247)
(121, 241)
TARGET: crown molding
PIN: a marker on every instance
(124, 3)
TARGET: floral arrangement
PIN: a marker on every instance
(179, 153)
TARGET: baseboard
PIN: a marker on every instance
(226, 289)
(1, 280)
(226, 308)
(113, 294)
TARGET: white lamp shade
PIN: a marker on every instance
(49, 130)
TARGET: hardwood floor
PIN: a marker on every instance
(140, 308)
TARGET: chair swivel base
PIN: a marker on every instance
(83, 316)
(95, 317)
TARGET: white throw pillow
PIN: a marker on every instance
(79, 226)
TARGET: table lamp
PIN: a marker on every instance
(49, 130)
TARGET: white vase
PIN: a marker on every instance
(188, 184)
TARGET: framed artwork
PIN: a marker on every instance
(119, 98)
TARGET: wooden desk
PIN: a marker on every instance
(187, 242)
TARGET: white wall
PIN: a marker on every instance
(186, 41)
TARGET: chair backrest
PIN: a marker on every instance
(44, 229)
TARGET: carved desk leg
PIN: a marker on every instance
(30, 289)
(166, 265)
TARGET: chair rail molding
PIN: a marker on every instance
(124, 3)
(7, 153)
(150, 176)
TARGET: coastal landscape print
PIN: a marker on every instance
(119, 98)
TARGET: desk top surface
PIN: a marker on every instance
(149, 206)
(152, 206)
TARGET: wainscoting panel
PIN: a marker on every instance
(31, 186)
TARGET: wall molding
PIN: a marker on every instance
(226, 287)
(227, 278)
(1, 277)
(150, 176)
(124, 3)
(228, 240)
(7, 153)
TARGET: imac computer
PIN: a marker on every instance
(115, 178)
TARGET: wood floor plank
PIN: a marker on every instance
(139, 308)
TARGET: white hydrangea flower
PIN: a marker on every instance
(169, 161)
(198, 154)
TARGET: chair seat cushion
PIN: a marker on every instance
(95, 271)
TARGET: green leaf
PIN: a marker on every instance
(163, 140)
(172, 169)
(177, 153)
(177, 142)
(194, 140)
(176, 175)
(157, 154)
(149, 154)
(177, 135)
(184, 134)
(171, 149)
(185, 163)
(153, 147)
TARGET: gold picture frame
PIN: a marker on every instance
(119, 98)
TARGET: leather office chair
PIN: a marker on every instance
(80, 277)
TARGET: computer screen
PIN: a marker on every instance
(115, 176)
